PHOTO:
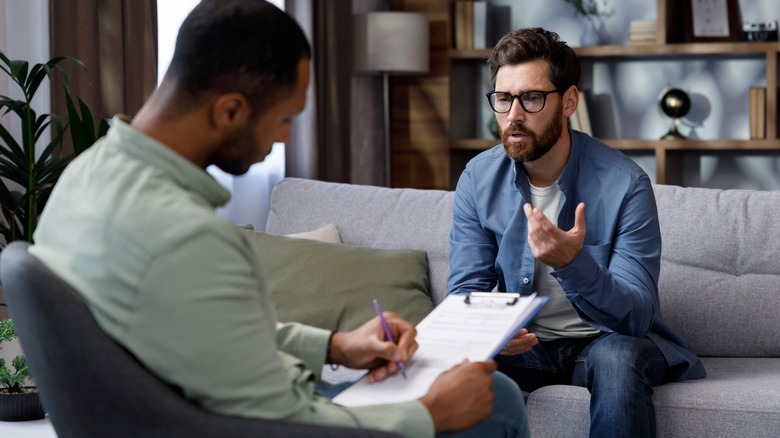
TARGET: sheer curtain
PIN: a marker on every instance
(251, 192)
(24, 34)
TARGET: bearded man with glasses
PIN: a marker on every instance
(554, 211)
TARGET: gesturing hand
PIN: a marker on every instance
(551, 245)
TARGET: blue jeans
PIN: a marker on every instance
(619, 371)
(508, 418)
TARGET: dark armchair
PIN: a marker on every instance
(92, 387)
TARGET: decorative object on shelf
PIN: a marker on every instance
(595, 15)
(18, 401)
(759, 32)
(391, 43)
(675, 103)
(711, 20)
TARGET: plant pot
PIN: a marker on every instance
(21, 406)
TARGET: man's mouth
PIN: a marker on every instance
(517, 136)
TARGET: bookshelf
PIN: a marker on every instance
(446, 137)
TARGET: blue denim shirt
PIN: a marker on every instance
(612, 284)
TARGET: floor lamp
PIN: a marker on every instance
(391, 43)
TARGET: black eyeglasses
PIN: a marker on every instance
(531, 101)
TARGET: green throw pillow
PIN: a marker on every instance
(333, 285)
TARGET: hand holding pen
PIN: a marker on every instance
(388, 334)
(369, 347)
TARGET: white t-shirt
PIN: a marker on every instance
(557, 319)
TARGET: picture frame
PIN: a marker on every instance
(711, 21)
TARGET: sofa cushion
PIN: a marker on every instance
(720, 276)
(739, 397)
(369, 216)
(332, 285)
(327, 233)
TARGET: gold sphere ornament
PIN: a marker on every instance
(675, 103)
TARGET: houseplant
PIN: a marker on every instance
(18, 401)
(29, 168)
(595, 16)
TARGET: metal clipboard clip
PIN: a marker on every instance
(508, 298)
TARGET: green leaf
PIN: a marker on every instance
(77, 133)
(37, 74)
(10, 142)
(7, 330)
(19, 71)
(7, 63)
(105, 124)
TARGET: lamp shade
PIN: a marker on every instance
(391, 43)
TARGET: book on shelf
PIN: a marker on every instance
(468, 23)
(757, 101)
(580, 121)
(642, 32)
(463, 32)
(473, 24)
(482, 24)
(457, 26)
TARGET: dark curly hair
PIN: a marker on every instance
(245, 46)
(524, 45)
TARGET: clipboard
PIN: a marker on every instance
(529, 307)
(509, 298)
(475, 327)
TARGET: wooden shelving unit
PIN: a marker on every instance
(453, 110)
(667, 151)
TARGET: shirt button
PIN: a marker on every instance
(526, 280)
(559, 279)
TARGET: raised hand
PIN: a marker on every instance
(551, 245)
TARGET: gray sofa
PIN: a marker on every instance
(719, 288)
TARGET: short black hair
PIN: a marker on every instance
(245, 46)
(531, 44)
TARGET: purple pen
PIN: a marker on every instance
(387, 332)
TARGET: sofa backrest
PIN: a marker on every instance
(720, 262)
(720, 268)
(369, 216)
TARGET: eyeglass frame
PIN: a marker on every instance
(517, 97)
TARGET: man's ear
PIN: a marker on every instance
(570, 100)
(230, 111)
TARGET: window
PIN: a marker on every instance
(251, 192)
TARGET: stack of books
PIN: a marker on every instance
(643, 32)
(472, 24)
(757, 113)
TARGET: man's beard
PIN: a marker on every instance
(237, 152)
(537, 145)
